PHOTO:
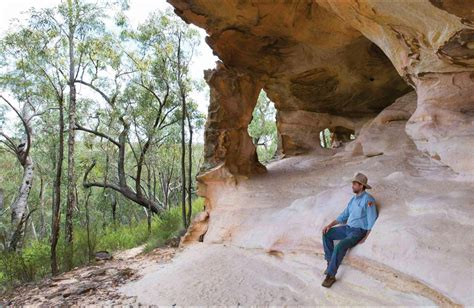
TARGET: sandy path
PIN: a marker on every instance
(90, 284)
(219, 274)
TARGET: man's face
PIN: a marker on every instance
(357, 187)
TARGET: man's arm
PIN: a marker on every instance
(371, 217)
(329, 226)
(342, 218)
(371, 213)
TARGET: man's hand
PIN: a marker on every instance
(329, 226)
(326, 229)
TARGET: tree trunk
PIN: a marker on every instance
(18, 207)
(42, 227)
(56, 213)
(190, 168)
(183, 163)
(122, 186)
(33, 228)
(114, 209)
(89, 244)
(2, 196)
(149, 196)
(154, 184)
(183, 142)
(71, 183)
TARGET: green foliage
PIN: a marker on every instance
(169, 224)
(28, 265)
(84, 247)
(124, 237)
(263, 129)
(33, 262)
(325, 137)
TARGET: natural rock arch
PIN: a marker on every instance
(324, 57)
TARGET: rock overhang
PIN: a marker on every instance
(344, 59)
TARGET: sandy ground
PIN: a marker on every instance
(218, 274)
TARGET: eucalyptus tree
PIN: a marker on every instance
(57, 36)
(115, 119)
(134, 93)
(142, 100)
(262, 128)
(21, 76)
(21, 150)
(75, 23)
(137, 107)
(39, 61)
(178, 43)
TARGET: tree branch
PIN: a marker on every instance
(79, 127)
(90, 85)
(25, 126)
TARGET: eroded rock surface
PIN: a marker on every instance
(304, 56)
(346, 60)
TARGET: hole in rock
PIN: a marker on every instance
(262, 128)
(335, 137)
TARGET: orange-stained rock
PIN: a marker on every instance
(233, 97)
(303, 55)
(348, 59)
(196, 230)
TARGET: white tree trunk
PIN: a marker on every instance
(19, 214)
(18, 207)
(33, 228)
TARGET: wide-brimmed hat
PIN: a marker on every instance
(362, 179)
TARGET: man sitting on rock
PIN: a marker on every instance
(360, 215)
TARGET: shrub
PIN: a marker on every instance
(170, 224)
(30, 264)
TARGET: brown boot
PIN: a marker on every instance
(328, 281)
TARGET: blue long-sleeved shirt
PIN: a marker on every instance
(358, 213)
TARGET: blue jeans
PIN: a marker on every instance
(348, 236)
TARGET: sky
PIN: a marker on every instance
(138, 12)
